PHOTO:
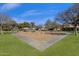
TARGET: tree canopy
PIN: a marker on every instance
(50, 25)
(6, 23)
(70, 16)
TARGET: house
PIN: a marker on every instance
(69, 27)
(43, 28)
(25, 29)
(28, 29)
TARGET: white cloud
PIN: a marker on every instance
(9, 6)
(37, 12)
(30, 13)
(20, 20)
(26, 16)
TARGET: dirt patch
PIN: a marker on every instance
(38, 43)
(38, 35)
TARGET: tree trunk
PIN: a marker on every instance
(1, 30)
(75, 30)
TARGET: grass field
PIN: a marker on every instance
(10, 45)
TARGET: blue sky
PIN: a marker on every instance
(30, 12)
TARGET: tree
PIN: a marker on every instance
(49, 25)
(70, 16)
(38, 27)
(5, 22)
(32, 25)
(23, 25)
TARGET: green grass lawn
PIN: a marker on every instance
(10, 45)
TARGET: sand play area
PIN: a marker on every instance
(39, 39)
(38, 35)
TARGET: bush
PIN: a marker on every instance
(67, 29)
